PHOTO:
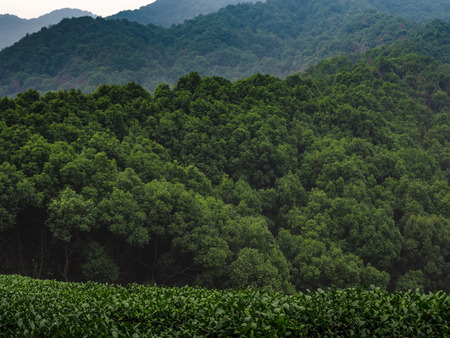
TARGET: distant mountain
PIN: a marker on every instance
(14, 28)
(278, 37)
(165, 13)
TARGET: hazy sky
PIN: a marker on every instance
(28, 9)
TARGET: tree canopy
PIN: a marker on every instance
(338, 176)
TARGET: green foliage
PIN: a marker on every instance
(70, 212)
(49, 308)
(426, 249)
(334, 177)
(123, 216)
(252, 269)
(98, 265)
(414, 9)
(16, 194)
(316, 265)
(411, 280)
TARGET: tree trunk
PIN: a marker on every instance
(19, 247)
(65, 271)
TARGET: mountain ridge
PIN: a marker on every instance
(14, 28)
(276, 37)
(166, 13)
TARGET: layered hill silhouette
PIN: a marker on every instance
(165, 13)
(279, 37)
(168, 12)
(14, 28)
(161, 13)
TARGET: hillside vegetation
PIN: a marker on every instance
(168, 12)
(419, 10)
(279, 37)
(335, 177)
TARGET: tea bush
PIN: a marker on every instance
(31, 307)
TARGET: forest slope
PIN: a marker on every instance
(335, 177)
(278, 37)
(419, 10)
(165, 13)
(168, 12)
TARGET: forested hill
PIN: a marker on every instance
(279, 37)
(168, 12)
(165, 13)
(14, 28)
(335, 177)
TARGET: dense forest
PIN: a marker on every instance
(278, 37)
(337, 176)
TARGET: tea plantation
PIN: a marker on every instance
(31, 307)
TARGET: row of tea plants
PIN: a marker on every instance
(30, 307)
